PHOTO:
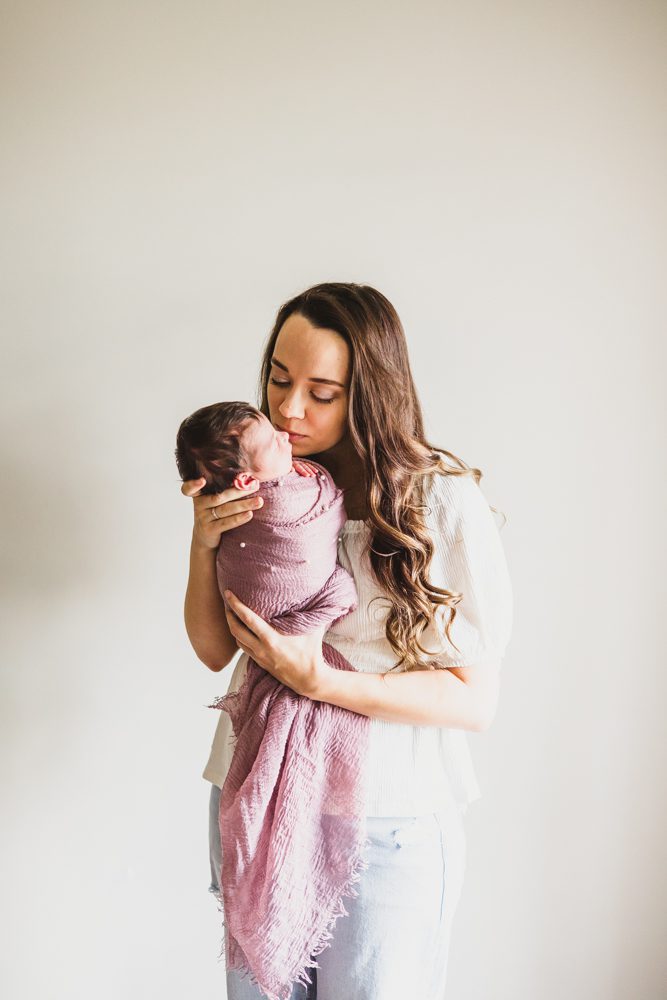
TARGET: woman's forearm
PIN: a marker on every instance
(416, 697)
(204, 612)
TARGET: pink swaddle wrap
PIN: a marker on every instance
(292, 818)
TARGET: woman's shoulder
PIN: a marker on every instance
(453, 499)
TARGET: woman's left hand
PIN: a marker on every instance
(294, 660)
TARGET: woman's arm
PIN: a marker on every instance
(205, 619)
(457, 697)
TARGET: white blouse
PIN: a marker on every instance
(417, 769)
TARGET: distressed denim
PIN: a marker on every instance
(394, 942)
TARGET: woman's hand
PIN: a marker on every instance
(216, 513)
(294, 660)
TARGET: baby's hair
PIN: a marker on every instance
(209, 443)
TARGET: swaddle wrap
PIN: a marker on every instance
(292, 818)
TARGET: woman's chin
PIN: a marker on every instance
(300, 449)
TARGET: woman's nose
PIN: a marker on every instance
(290, 407)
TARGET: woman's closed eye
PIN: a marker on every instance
(320, 399)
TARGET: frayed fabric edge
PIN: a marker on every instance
(321, 942)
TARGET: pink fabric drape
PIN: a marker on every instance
(292, 816)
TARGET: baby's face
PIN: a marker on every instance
(269, 450)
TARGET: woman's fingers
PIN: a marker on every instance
(248, 617)
(246, 639)
(191, 487)
(222, 520)
(230, 507)
(231, 501)
(216, 513)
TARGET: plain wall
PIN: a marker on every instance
(171, 173)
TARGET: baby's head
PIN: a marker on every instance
(231, 444)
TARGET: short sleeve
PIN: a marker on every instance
(469, 558)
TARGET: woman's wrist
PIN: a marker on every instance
(199, 549)
(321, 687)
(204, 610)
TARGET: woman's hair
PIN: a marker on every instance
(386, 428)
(209, 443)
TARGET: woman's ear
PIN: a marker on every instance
(244, 481)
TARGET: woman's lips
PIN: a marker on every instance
(292, 435)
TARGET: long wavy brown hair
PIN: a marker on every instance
(386, 429)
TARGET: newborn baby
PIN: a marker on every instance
(233, 444)
(292, 808)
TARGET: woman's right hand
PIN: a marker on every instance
(216, 513)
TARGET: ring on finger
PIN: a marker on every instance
(215, 516)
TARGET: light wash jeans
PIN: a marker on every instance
(394, 942)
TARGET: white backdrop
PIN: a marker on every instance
(171, 173)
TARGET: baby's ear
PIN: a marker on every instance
(244, 481)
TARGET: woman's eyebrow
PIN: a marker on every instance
(324, 381)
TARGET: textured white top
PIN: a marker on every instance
(417, 769)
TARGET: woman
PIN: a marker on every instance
(427, 639)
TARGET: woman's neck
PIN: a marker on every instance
(354, 498)
(348, 473)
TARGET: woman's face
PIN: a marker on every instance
(308, 386)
